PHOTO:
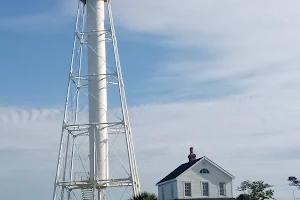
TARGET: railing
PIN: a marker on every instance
(81, 176)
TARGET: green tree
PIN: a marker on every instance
(145, 196)
(243, 197)
(257, 190)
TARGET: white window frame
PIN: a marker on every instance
(190, 189)
(202, 189)
(224, 184)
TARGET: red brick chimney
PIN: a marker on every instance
(192, 156)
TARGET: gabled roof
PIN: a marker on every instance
(179, 170)
(220, 168)
(182, 168)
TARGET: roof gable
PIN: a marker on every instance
(217, 166)
(179, 170)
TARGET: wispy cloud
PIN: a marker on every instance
(246, 137)
(15, 115)
(246, 44)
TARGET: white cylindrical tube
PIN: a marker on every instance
(97, 90)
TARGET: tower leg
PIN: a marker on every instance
(128, 135)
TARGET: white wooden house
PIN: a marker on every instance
(197, 179)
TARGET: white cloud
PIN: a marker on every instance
(247, 44)
(247, 138)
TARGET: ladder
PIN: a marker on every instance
(87, 194)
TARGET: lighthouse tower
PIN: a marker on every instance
(96, 157)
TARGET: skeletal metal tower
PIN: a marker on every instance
(96, 135)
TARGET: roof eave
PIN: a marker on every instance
(165, 182)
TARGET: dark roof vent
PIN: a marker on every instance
(192, 156)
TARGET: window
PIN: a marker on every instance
(162, 193)
(187, 189)
(172, 191)
(222, 189)
(205, 189)
(204, 171)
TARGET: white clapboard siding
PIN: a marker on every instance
(166, 190)
(213, 178)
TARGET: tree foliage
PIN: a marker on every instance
(294, 181)
(145, 196)
(257, 190)
(243, 197)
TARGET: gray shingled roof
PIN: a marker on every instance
(179, 170)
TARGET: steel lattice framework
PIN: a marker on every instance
(76, 173)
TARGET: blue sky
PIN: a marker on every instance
(220, 76)
(37, 60)
(41, 55)
(41, 60)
